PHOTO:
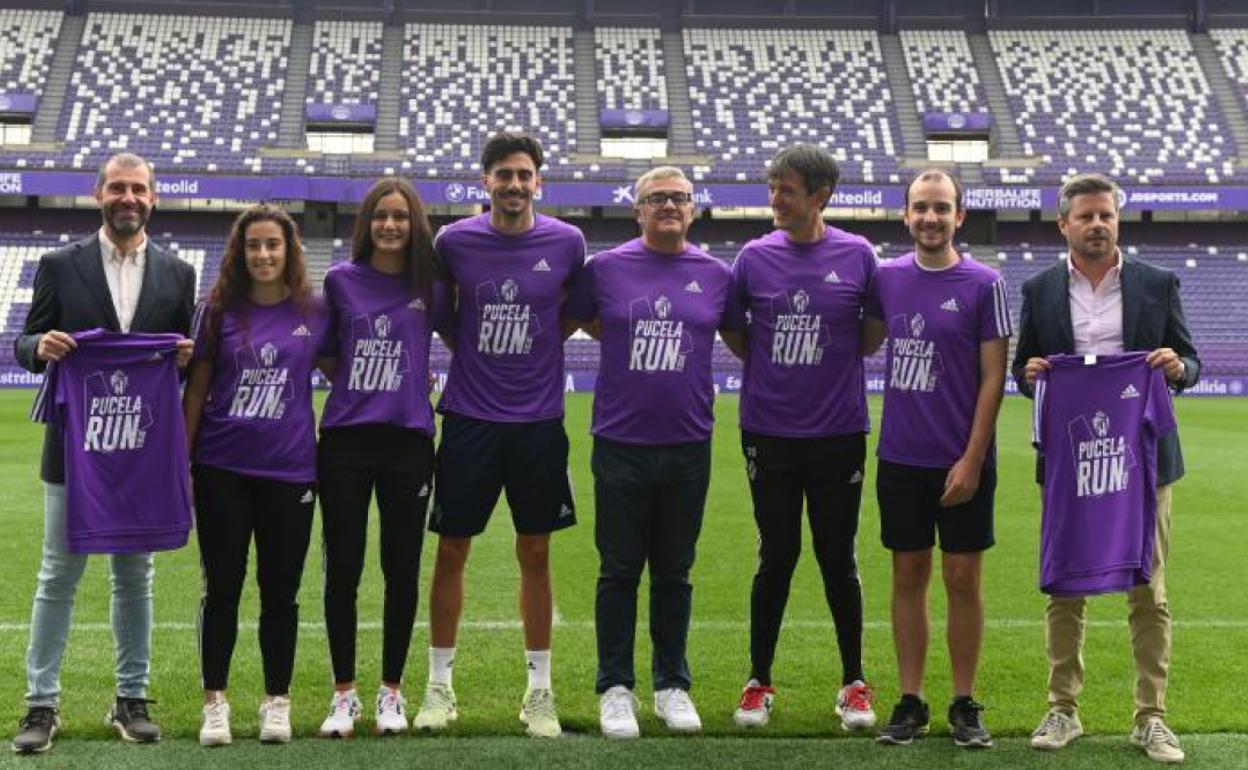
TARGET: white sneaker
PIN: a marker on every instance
(437, 710)
(538, 712)
(853, 706)
(343, 710)
(216, 728)
(1056, 731)
(617, 713)
(275, 719)
(676, 710)
(391, 711)
(1158, 742)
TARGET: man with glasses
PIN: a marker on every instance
(655, 303)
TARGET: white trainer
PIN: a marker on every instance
(853, 706)
(617, 713)
(275, 719)
(1158, 742)
(216, 728)
(538, 712)
(344, 708)
(437, 710)
(1056, 731)
(676, 709)
(391, 711)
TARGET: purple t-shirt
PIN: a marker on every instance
(1097, 425)
(658, 315)
(116, 400)
(508, 361)
(936, 321)
(379, 332)
(803, 376)
(258, 417)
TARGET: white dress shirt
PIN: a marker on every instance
(1096, 314)
(124, 273)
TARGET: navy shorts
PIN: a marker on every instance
(478, 459)
(911, 514)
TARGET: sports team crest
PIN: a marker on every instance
(917, 325)
(510, 290)
(119, 381)
(381, 325)
(801, 300)
(268, 354)
(662, 307)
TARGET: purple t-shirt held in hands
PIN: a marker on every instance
(508, 352)
(803, 376)
(116, 400)
(658, 315)
(1096, 422)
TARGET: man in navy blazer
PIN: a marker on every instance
(1100, 301)
(120, 281)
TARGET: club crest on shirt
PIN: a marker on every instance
(510, 290)
(662, 307)
(801, 300)
(268, 354)
(1100, 424)
(381, 325)
(917, 325)
(119, 382)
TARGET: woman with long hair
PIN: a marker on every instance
(377, 437)
(251, 430)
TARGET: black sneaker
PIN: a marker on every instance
(968, 730)
(38, 728)
(129, 716)
(909, 721)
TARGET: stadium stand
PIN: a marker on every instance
(346, 63)
(630, 70)
(942, 71)
(755, 91)
(27, 39)
(1130, 103)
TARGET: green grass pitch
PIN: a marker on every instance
(1206, 587)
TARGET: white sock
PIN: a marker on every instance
(441, 659)
(538, 663)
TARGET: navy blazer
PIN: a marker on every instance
(1152, 317)
(71, 295)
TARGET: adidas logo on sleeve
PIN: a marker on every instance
(693, 287)
(1129, 392)
(542, 266)
(832, 277)
(950, 304)
(301, 331)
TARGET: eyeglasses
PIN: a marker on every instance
(660, 199)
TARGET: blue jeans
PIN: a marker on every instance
(59, 573)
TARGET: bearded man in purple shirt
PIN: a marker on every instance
(502, 424)
(655, 303)
(947, 326)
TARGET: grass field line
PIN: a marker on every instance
(697, 625)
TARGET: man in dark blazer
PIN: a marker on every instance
(1101, 302)
(116, 280)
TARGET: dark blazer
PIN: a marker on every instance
(1152, 317)
(71, 295)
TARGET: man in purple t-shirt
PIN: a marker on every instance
(655, 303)
(502, 424)
(804, 418)
(948, 327)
